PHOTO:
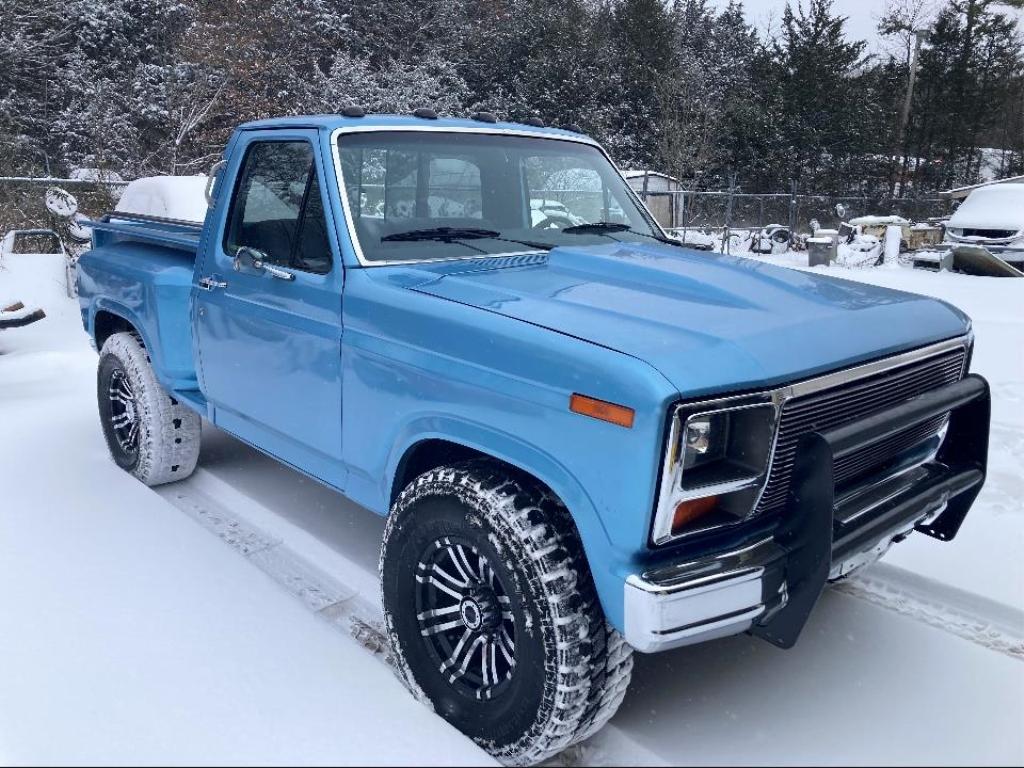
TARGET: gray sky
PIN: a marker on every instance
(862, 14)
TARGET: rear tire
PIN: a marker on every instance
(473, 558)
(149, 433)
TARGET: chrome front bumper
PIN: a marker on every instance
(704, 599)
(769, 587)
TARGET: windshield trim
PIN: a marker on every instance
(350, 224)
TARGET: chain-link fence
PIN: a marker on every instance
(23, 206)
(731, 210)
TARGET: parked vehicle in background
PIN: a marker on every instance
(991, 217)
(42, 247)
(586, 437)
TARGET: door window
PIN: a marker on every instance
(278, 209)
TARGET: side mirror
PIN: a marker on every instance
(253, 258)
(250, 258)
(215, 170)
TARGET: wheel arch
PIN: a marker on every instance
(106, 322)
(429, 450)
(109, 317)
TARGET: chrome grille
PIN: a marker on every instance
(850, 402)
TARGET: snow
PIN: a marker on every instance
(96, 175)
(131, 635)
(169, 197)
(893, 238)
(877, 221)
(1000, 206)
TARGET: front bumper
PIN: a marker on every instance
(769, 586)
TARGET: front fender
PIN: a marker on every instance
(533, 460)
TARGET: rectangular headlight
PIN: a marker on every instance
(716, 464)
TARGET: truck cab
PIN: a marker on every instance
(586, 438)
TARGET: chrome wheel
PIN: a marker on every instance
(124, 412)
(465, 618)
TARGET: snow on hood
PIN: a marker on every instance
(709, 323)
(169, 197)
(1000, 206)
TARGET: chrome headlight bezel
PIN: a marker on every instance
(679, 483)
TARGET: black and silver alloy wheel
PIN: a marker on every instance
(492, 614)
(124, 412)
(465, 618)
(149, 432)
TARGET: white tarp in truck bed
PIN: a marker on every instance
(169, 197)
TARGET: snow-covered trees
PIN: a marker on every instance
(685, 86)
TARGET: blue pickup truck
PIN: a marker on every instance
(586, 438)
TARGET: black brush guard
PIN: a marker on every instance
(934, 499)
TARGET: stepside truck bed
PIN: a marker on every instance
(151, 292)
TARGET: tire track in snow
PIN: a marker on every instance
(345, 594)
(343, 602)
(978, 619)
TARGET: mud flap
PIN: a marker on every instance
(806, 536)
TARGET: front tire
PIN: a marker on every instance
(492, 613)
(149, 433)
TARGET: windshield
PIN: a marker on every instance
(436, 195)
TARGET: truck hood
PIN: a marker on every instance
(709, 323)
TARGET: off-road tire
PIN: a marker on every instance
(572, 668)
(167, 442)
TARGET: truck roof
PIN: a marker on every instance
(330, 122)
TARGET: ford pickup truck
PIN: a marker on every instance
(587, 439)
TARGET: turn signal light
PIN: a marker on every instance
(688, 511)
(599, 409)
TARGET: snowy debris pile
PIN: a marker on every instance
(17, 314)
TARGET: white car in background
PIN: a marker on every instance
(991, 217)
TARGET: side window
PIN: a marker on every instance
(277, 208)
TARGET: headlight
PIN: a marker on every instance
(716, 464)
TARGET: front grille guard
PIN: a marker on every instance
(777, 477)
(936, 506)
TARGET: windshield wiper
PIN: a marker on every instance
(605, 227)
(444, 234)
(454, 234)
(596, 228)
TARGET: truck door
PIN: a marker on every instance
(267, 304)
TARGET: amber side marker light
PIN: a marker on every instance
(688, 511)
(599, 409)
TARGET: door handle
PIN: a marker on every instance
(280, 274)
(209, 283)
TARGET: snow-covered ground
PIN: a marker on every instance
(128, 633)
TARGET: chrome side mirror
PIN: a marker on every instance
(250, 258)
(215, 170)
